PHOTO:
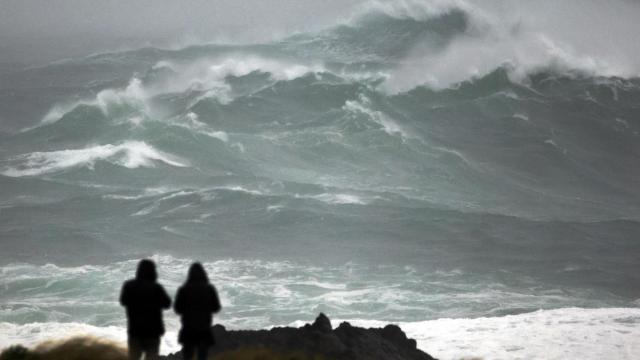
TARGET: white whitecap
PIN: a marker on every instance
(130, 154)
(389, 125)
(568, 333)
(520, 116)
(239, 188)
(209, 75)
(191, 121)
(338, 199)
(134, 95)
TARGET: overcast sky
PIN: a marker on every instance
(44, 29)
(37, 18)
(36, 31)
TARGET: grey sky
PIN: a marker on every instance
(43, 30)
(34, 31)
(36, 18)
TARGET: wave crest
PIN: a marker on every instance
(130, 154)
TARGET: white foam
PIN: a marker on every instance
(335, 198)
(206, 75)
(520, 116)
(148, 192)
(156, 204)
(362, 106)
(192, 122)
(453, 152)
(339, 198)
(274, 208)
(133, 95)
(578, 36)
(55, 114)
(63, 297)
(411, 9)
(570, 333)
(130, 154)
(239, 188)
(209, 75)
(278, 70)
(622, 122)
(205, 195)
(124, 197)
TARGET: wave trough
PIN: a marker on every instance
(466, 175)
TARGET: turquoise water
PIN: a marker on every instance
(309, 178)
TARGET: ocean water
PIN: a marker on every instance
(491, 213)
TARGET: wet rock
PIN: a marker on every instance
(319, 338)
(322, 324)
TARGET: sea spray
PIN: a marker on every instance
(418, 163)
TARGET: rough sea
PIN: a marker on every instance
(495, 213)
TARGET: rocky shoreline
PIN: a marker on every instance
(320, 339)
(317, 341)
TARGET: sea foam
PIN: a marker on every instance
(130, 154)
(569, 333)
(558, 334)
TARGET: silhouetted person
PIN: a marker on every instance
(144, 300)
(196, 302)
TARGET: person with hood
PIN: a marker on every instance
(144, 299)
(196, 302)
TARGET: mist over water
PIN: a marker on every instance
(426, 163)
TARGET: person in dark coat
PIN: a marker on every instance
(196, 302)
(144, 300)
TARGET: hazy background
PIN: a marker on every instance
(35, 31)
(465, 169)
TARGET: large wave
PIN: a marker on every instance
(129, 154)
(551, 334)
(42, 301)
(484, 151)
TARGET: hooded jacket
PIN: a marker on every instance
(196, 302)
(144, 300)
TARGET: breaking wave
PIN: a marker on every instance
(40, 301)
(131, 154)
(479, 165)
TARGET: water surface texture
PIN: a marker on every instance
(314, 174)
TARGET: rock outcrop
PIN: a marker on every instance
(319, 338)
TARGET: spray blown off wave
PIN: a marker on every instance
(129, 154)
(487, 164)
(40, 301)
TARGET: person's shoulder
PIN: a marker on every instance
(159, 286)
(128, 287)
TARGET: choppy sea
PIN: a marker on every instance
(496, 215)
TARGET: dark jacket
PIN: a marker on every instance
(196, 302)
(144, 300)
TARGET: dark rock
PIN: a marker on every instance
(393, 333)
(322, 323)
(345, 342)
(16, 352)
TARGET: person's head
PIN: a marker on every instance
(197, 274)
(146, 270)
